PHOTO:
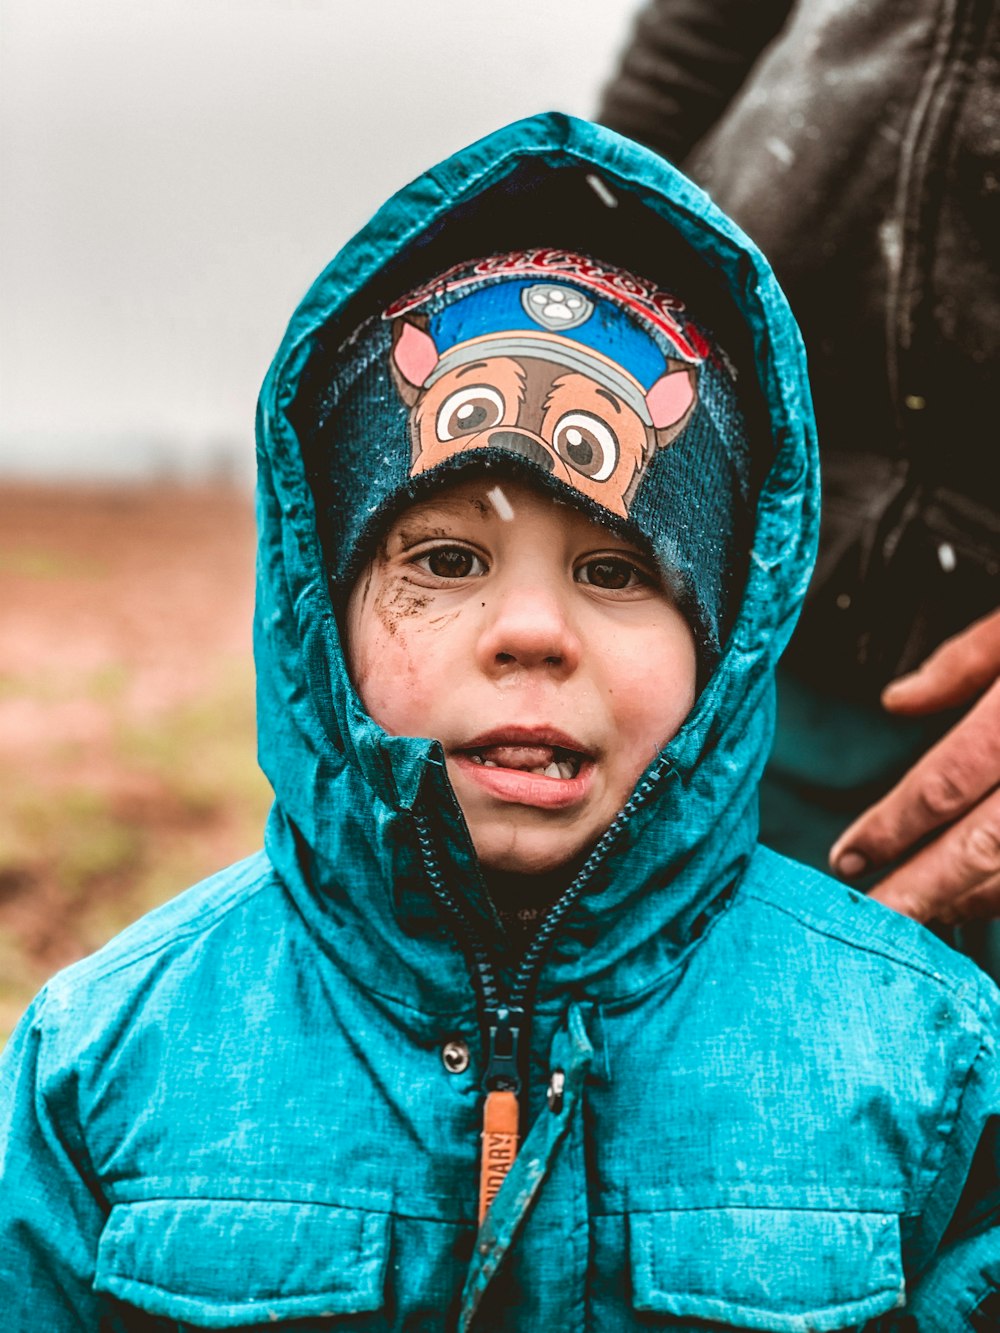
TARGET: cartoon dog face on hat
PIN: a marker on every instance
(550, 370)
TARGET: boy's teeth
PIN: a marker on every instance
(563, 769)
(510, 756)
(527, 757)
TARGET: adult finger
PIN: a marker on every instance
(951, 778)
(956, 877)
(953, 674)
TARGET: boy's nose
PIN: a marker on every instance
(528, 627)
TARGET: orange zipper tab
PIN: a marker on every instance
(500, 1115)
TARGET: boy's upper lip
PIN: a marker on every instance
(515, 735)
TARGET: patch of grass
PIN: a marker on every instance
(41, 685)
(206, 756)
(108, 683)
(105, 686)
(179, 798)
(42, 564)
(85, 841)
(18, 982)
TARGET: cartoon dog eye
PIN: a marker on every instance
(587, 444)
(474, 408)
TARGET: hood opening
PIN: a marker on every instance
(346, 791)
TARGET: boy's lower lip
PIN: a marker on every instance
(523, 788)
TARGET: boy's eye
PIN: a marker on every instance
(611, 572)
(474, 408)
(587, 444)
(451, 562)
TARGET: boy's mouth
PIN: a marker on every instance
(539, 767)
(541, 752)
(544, 761)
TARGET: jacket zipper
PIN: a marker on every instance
(505, 1019)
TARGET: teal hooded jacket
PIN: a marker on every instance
(751, 1098)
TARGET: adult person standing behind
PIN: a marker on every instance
(858, 142)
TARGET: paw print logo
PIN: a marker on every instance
(556, 307)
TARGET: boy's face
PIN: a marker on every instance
(538, 647)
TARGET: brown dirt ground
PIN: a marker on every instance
(127, 762)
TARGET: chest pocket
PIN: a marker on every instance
(780, 1270)
(223, 1263)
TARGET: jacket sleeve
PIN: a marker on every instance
(960, 1289)
(51, 1214)
(683, 65)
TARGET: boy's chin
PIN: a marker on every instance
(513, 852)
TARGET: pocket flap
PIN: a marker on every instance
(783, 1270)
(223, 1263)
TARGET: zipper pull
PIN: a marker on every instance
(502, 1082)
(503, 1027)
(500, 1114)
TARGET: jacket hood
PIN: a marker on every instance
(362, 819)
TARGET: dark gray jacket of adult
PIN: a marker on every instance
(858, 142)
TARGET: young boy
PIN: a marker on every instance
(513, 1026)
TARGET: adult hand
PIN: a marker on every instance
(955, 876)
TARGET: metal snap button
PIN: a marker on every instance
(554, 1092)
(455, 1056)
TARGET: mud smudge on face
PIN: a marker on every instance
(396, 601)
(406, 537)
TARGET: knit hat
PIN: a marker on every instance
(548, 364)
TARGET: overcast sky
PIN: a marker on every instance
(173, 174)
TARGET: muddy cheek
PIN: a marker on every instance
(398, 602)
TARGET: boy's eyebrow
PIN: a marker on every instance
(431, 513)
(611, 399)
(465, 370)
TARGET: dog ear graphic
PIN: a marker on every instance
(671, 399)
(414, 356)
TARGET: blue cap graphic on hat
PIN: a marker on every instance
(584, 382)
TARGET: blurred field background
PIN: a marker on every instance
(127, 740)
